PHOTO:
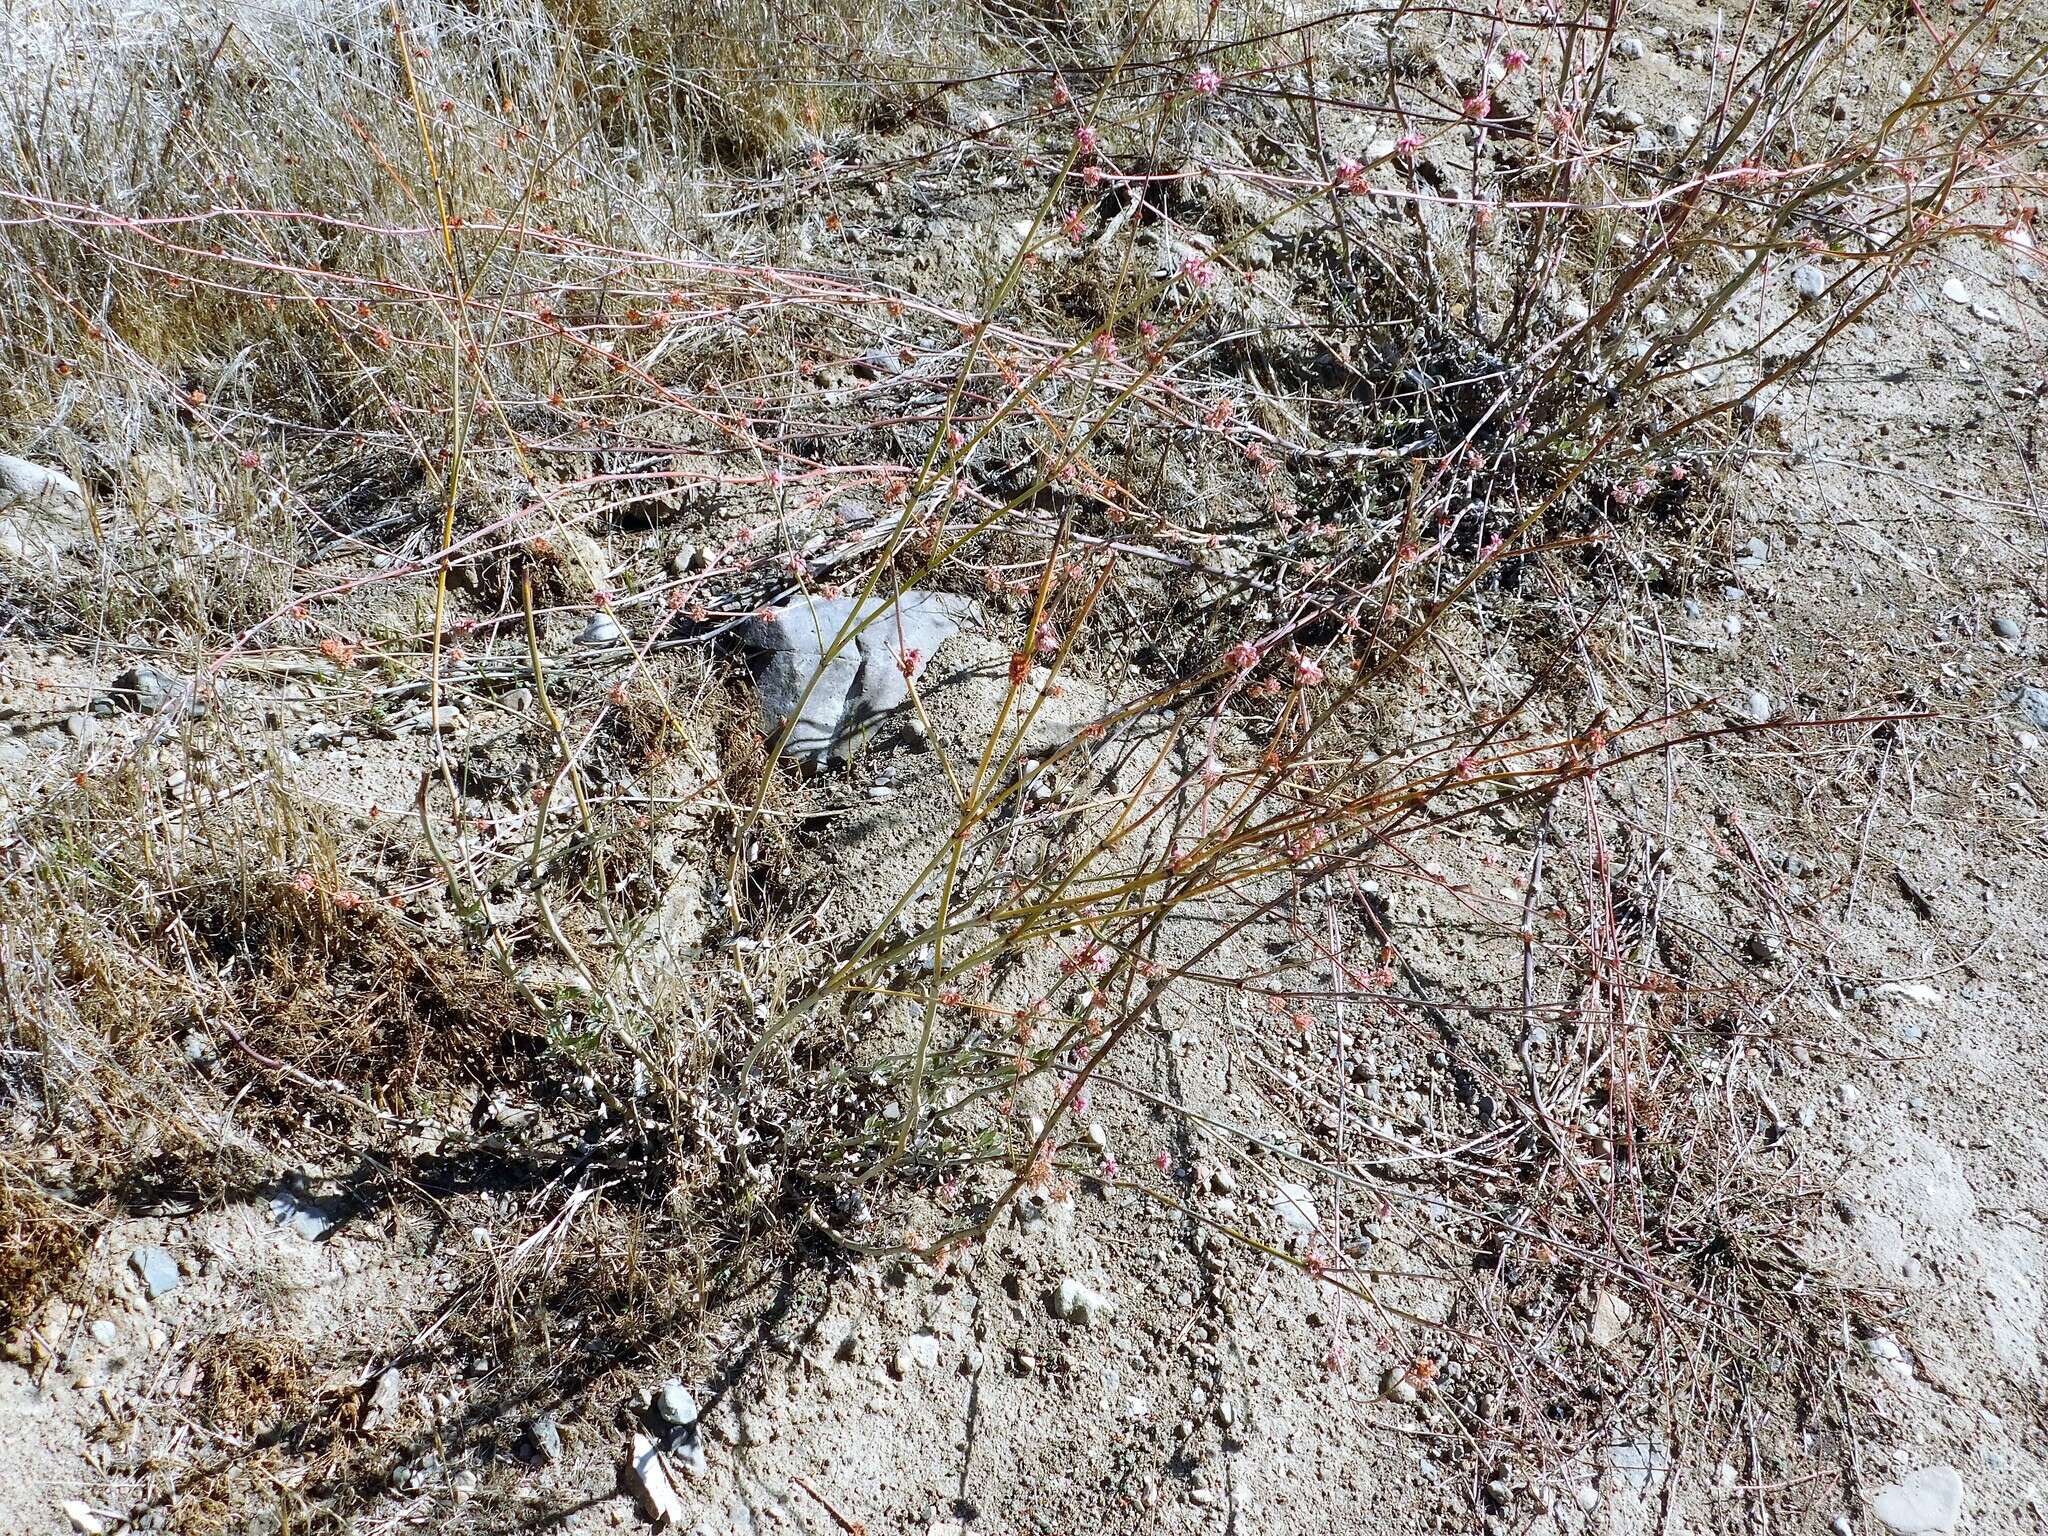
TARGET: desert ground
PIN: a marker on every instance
(1009, 768)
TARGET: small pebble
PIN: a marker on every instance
(1073, 1302)
(1809, 282)
(2007, 628)
(602, 629)
(1953, 290)
(1629, 48)
(673, 1404)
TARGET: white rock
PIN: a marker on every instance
(1073, 1302)
(42, 511)
(1295, 1205)
(1954, 291)
(1809, 282)
(656, 1485)
(1926, 1503)
(26, 484)
(830, 706)
(1759, 706)
(1611, 1317)
(82, 1519)
(674, 1405)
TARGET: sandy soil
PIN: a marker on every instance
(1898, 573)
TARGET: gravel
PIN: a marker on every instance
(1809, 282)
(1295, 1205)
(301, 1215)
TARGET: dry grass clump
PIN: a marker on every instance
(42, 1243)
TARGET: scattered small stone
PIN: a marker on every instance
(51, 510)
(674, 1405)
(1073, 1302)
(2007, 628)
(1925, 1503)
(1629, 48)
(1809, 282)
(1764, 947)
(1640, 1464)
(1759, 704)
(1754, 552)
(1954, 291)
(105, 1332)
(880, 363)
(602, 629)
(1397, 1385)
(1611, 1317)
(82, 1518)
(157, 1270)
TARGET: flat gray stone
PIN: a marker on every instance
(143, 689)
(674, 1405)
(547, 1438)
(2034, 705)
(1924, 1503)
(157, 1270)
(831, 705)
(302, 1216)
(1641, 1465)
